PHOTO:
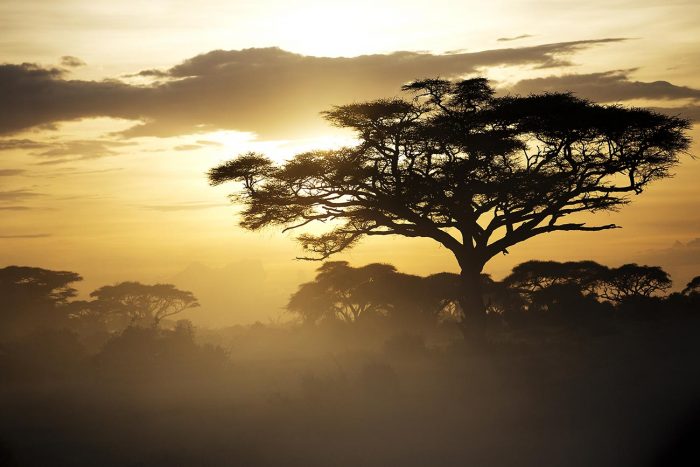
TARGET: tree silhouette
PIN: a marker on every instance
(474, 172)
(588, 278)
(134, 303)
(533, 276)
(633, 280)
(692, 287)
(341, 292)
(345, 293)
(31, 297)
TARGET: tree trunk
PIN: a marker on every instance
(471, 300)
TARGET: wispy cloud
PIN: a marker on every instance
(18, 195)
(11, 172)
(37, 235)
(67, 151)
(188, 147)
(515, 38)
(11, 144)
(181, 206)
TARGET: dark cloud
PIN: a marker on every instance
(269, 91)
(691, 112)
(11, 172)
(32, 96)
(508, 39)
(71, 62)
(14, 208)
(609, 86)
(152, 73)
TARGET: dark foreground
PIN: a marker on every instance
(346, 397)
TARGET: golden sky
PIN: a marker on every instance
(112, 112)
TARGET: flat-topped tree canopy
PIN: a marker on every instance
(475, 172)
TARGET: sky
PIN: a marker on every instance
(114, 111)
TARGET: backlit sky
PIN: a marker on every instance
(112, 112)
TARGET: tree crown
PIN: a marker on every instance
(475, 172)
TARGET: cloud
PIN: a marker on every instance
(188, 147)
(691, 112)
(32, 96)
(71, 62)
(39, 235)
(509, 39)
(608, 86)
(11, 172)
(17, 195)
(181, 206)
(8, 198)
(68, 151)
(268, 91)
(11, 144)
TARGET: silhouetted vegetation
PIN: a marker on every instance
(474, 172)
(32, 296)
(581, 364)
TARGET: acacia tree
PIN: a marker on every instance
(345, 293)
(474, 172)
(590, 278)
(136, 303)
(31, 297)
(632, 280)
(692, 287)
(534, 276)
(341, 292)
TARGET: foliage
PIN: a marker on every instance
(345, 293)
(134, 303)
(588, 278)
(633, 280)
(33, 296)
(474, 172)
(692, 287)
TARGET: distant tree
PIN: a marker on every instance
(632, 280)
(444, 291)
(587, 278)
(474, 172)
(340, 292)
(139, 304)
(533, 276)
(34, 297)
(692, 287)
(345, 293)
(20, 284)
